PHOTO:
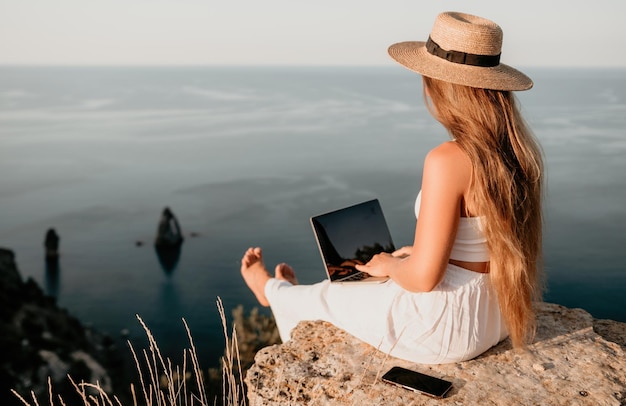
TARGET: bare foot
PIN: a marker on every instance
(255, 274)
(286, 273)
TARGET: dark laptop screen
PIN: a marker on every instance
(352, 235)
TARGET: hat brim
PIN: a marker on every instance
(414, 56)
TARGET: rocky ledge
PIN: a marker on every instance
(574, 360)
(41, 343)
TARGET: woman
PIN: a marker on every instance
(473, 272)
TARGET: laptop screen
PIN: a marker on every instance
(350, 236)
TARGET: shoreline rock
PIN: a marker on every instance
(574, 359)
(41, 340)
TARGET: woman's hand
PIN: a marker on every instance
(403, 252)
(380, 264)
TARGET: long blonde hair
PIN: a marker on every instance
(505, 188)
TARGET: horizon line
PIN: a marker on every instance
(261, 65)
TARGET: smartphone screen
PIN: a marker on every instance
(418, 382)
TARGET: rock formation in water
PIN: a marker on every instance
(51, 244)
(168, 241)
(573, 360)
(169, 233)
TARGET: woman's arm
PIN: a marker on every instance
(446, 177)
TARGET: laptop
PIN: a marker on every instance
(349, 236)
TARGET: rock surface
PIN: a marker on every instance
(574, 360)
(40, 340)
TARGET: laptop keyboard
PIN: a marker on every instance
(355, 277)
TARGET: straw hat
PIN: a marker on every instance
(462, 49)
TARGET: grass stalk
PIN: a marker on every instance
(162, 383)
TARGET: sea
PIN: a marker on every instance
(243, 156)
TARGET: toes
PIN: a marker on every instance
(247, 258)
(281, 268)
(251, 256)
(285, 272)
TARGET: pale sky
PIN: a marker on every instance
(278, 32)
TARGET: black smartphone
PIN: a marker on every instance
(418, 382)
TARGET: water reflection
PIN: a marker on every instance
(168, 256)
(169, 301)
(53, 271)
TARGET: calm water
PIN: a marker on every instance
(243, 156)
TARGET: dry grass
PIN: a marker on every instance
(161, 383)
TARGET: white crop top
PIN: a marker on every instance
(470, 243)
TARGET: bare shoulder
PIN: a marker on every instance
(448, 156)
(446, 153)
(450, 164)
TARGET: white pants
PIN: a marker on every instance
(458, 320)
